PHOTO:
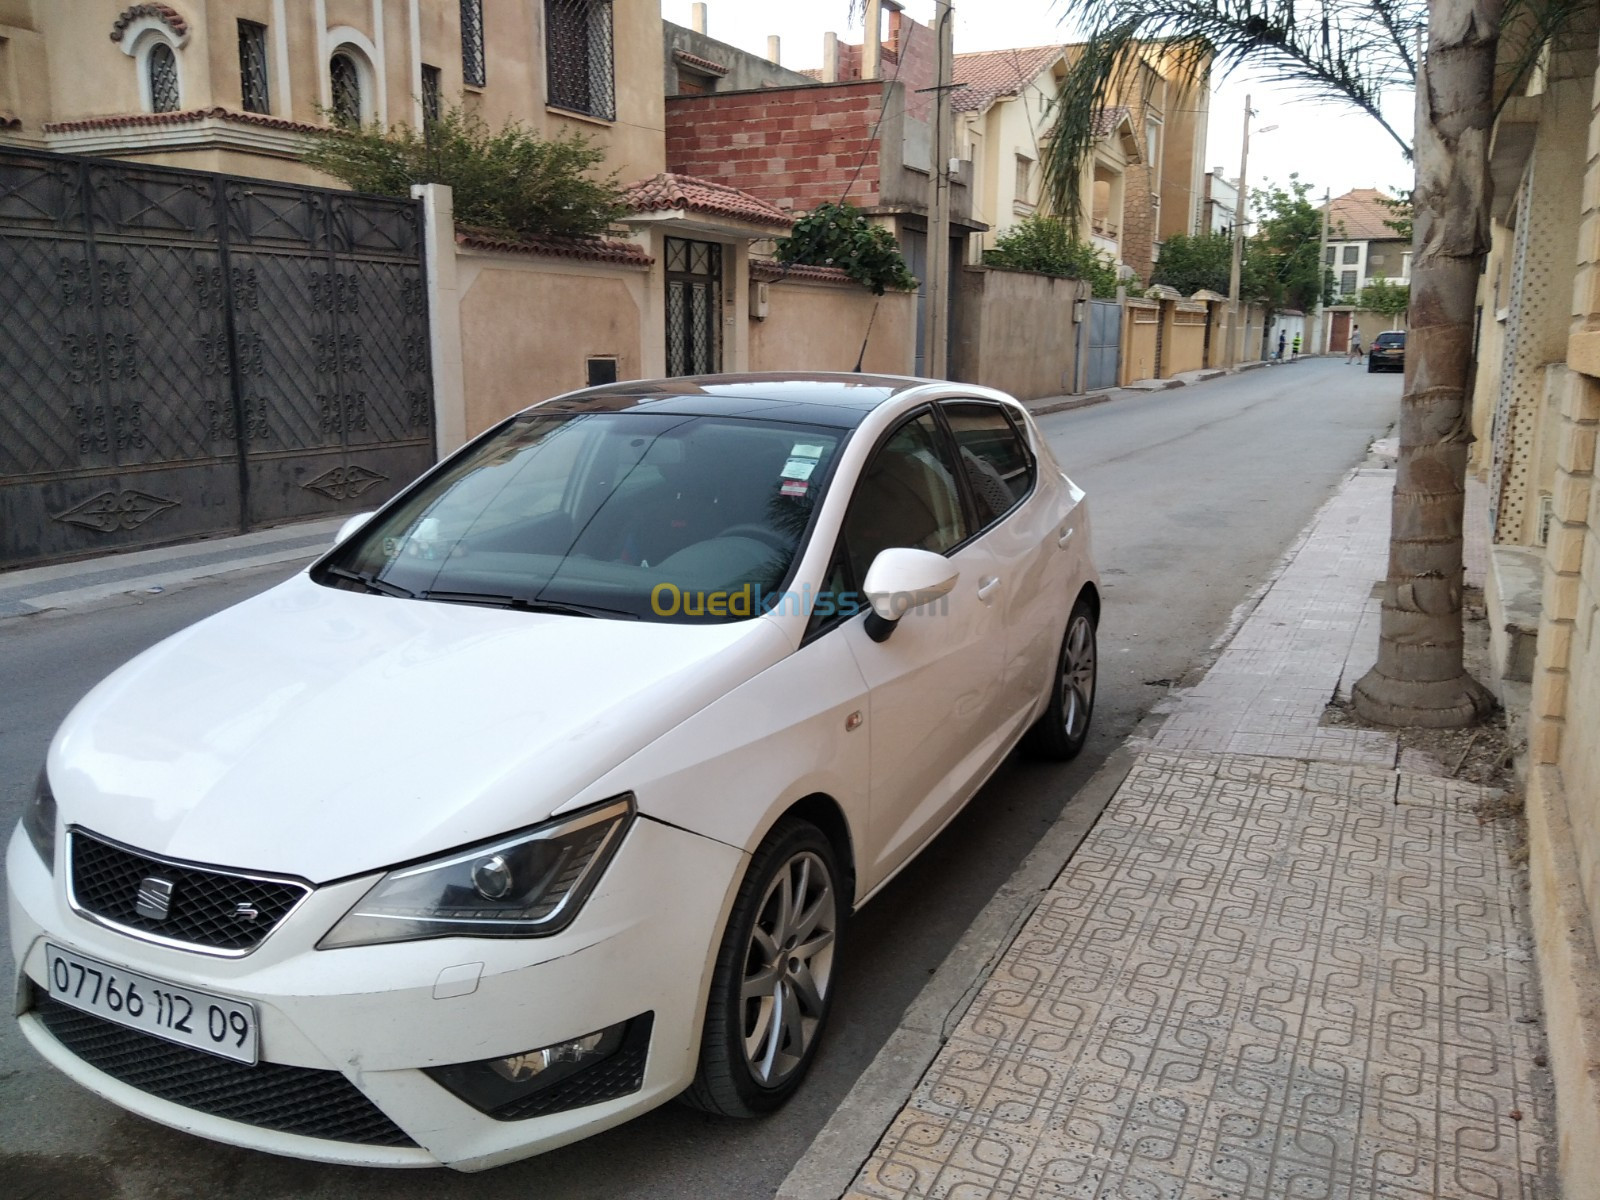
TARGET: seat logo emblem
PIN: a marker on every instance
(154, 899)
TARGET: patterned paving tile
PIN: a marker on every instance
(1259, 978)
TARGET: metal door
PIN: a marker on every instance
(694, 307)
(1105, 344)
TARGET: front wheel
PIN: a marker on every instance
(1062, 730)
(772, 985)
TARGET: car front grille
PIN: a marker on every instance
(223, 912)
(302, 1100)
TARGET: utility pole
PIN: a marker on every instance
(1322, 276)
(1236, 309)
(935, 318)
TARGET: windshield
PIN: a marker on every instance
(616, 514)
(1390, 339)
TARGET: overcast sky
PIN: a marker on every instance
(1330, 146)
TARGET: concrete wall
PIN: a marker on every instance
(1183, 336)
(530, 322)
(1014, 330)
(819, 325)
(744, 70)
(1141, 321)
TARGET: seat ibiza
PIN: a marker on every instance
(546, 794)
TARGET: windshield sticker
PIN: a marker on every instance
(798, 468)
(794, 487)
(805, 450)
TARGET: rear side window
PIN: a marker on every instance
(994, 459)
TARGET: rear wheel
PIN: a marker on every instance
(773, 981)
(1064, 726)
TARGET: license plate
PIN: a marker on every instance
(178, 1014)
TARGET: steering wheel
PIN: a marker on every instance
(760, 533)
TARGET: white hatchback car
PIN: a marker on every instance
(545, 795)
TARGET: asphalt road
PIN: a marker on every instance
(1195, 494)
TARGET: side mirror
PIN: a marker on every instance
(901, 579)
(350, 526)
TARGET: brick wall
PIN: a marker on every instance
(795, 147)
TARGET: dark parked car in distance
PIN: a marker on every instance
(1388, 352)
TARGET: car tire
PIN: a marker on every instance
(1371, 368)
(1061, 731)
(773, 982)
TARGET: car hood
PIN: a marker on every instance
(324, 733)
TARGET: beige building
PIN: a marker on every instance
(1362, 246)
(1141, 184)
(1536, 414)
(233, 85)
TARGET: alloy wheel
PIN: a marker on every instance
(1078, 676)
(788, 968)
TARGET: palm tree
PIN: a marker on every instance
(1351, 51)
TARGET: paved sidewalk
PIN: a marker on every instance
(1284, 963)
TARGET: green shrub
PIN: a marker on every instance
(839, 235)
(511, 181)
(1048, 246)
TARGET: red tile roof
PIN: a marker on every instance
(665, 192)
(165, 13)
(766, 269)
(186, 117)
(1105, 120)
(592, 249)
(1362, 214)
(699, 64)
(993, 74)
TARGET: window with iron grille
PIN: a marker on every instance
(1352, 254)
(578, 56)
(432, 104)
(1347, 283)
(161, 67)
(253, 67)
(345, 78)
(474, 66)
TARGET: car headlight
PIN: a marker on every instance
(39, 820)
(528, 884)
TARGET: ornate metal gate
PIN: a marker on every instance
(185, 354)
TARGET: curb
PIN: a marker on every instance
(836, 1154)
(1043, 408)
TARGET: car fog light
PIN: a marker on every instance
(520, 1068)
(530, 1084)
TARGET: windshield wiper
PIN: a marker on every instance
(522, 604)
(371, 582)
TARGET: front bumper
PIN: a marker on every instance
(377, 1015)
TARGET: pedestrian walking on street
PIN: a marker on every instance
(1283, 338)
(1296, 351)
(1354, 353)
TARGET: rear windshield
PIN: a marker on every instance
(616, 514)
(1389, 339)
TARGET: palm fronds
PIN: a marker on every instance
(1349, 51)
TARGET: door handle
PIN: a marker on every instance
(1066, 536)
(988, 586)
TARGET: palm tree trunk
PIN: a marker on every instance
(1420, 679)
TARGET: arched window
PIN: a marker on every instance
(344, 74)
(161, 75)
